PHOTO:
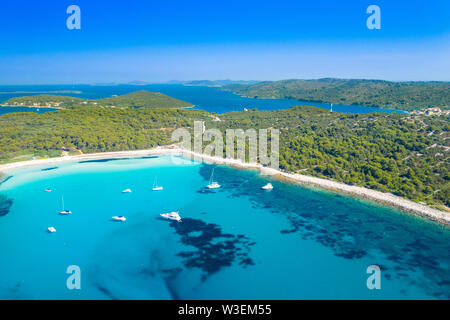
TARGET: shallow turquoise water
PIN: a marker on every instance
(238, 242)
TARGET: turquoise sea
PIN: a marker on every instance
(210, 99)
(237, 242)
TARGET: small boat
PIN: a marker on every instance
(155, 185)
(171, 216)
(48, 190)
(268, 186)
(213, 184)
(51, 230)
(64, 212)
(119, 218)
(126, 191)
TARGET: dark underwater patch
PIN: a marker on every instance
(7, 178)
(105, 291)
(206, 190)
(5, 205)
(49, 169)
(214, 250)
(102, 160)
(116, 159)
(421, 248)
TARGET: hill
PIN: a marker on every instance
(42, 100)
(373, 93)
(144, 99)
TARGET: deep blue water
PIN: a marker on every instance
(206, 98)
(238, 242)
(6, 110)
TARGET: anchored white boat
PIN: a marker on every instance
(51, 230)
(48, 190)
(119, 218)
(171, 216)
(213, 184)
(268, 186)
(155, 185)
(64, 212)
(126, 191)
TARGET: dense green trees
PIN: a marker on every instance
(403, 154)
(388, 152)
(138, 99)
(377, 93)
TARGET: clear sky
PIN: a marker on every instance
(157, 41)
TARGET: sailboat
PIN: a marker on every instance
(64, 212)
(213, 184)
(155, 185)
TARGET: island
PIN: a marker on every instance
(138, 99)
(372, 93)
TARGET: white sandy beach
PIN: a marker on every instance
(385, 198)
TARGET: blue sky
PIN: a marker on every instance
(157, 41)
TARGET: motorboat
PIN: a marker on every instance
(171, 216)
(268, 186)
(119, 218)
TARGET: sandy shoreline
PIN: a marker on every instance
(360, 192)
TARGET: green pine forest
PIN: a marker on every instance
(406, 96)
(138, 99)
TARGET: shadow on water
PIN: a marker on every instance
(49, 169)
(406, 247)
(116, 159)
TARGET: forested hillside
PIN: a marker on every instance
(403, 154)
(144, 99)
(374, 93)
(138, 99)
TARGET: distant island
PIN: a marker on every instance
(373, 93)
(138, 99)
(212, 83)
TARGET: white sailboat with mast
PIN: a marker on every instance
(155, 185)
(213, 184)
(64, 211)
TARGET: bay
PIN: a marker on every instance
(211, 99)
(237, 242)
